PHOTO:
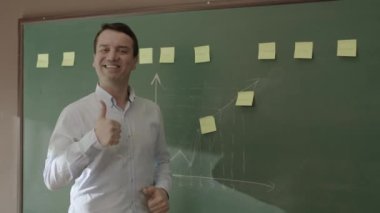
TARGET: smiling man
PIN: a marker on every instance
(110, 145)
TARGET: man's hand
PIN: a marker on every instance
(157, 199)
(107, 131)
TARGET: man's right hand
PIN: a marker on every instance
(107, 131)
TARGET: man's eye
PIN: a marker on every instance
(104, 50)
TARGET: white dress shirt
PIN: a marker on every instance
(108, 179)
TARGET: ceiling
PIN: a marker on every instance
(73, 8)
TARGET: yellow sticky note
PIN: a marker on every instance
(245, 98)
(42, 60)
(207, 124)
(167, 55)
(68, 59)
(303, 50)
(347, 48)
(146, 55)
(202, 54)
(267, 50)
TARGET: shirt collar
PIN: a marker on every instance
(106, 97)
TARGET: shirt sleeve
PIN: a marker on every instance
(163, 178)
(70, 151)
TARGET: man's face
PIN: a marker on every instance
(113, 59)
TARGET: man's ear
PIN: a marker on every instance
(93, 61)
(136, 61)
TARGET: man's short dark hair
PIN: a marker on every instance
(119, 27)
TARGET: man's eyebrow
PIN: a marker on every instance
(123, 47)
(118, 47)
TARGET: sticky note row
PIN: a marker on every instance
(68, 59)
(167, 55)
(207, 123)
(304, 50)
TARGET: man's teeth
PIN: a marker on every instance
(110, 66)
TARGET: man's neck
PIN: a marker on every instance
(119, 93)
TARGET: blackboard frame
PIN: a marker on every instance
(208, 5)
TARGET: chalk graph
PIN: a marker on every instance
(186, 162)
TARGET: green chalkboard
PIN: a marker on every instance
(310, 143)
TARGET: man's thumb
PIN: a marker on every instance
(103, 110)
(148, 191)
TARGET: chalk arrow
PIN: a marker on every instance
(156, 80)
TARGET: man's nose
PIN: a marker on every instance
(112, 55)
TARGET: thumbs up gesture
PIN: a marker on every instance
(107, 131)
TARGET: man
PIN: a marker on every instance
(110, 144)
